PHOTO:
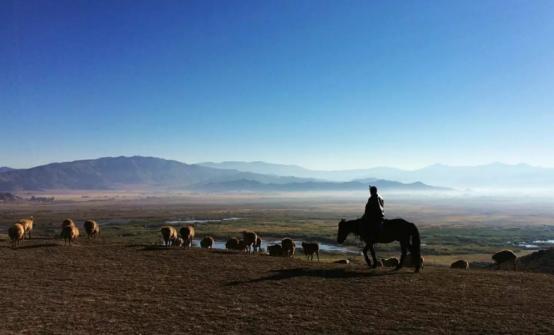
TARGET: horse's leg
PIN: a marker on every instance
(404, 250)
(372, 250)
(366, 248)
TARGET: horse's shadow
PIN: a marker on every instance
(338, 273)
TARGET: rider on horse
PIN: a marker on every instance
(374, 211)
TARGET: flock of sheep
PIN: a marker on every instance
(499, 258)
(69, 230)
(249, 243)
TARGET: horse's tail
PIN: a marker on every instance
(415, 247)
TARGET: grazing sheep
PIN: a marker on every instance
(461, 264)
(249, 238)
(27, 225)
(504, 256)
(179, 242)
(258, 245)
(288, 246)
(242, 246)
(69, 234)
(232, 243)
(390, 262)
(92, 228)
(207, 242)
(169, 235)
(16, 234)
(187, 234)
(67, 222)
(275, 250)
(311, 248)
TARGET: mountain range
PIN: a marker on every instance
(495, 175)
(112, 173)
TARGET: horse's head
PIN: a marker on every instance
(343, 231)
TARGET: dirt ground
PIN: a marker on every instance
(95, 287)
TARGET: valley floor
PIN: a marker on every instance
(101, 287)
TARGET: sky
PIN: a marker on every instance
(323, 84)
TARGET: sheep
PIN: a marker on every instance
(179, 242)
(288, 246)
(310, 249)
(243, 246)
(69, 233)
(460, 264)
(232, 243)
(67, 222)
(390, 262)
(169, 235)
(275, 250)
(258, 245)
(27, 225)
(16, 234)
(207, 242)
(505, 256)
(92, 228)
(187, 234)
(249, 238)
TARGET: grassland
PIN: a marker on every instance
(105, 287)
(123, 282)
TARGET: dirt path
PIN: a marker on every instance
(90, 288)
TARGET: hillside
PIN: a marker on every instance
(122, 172)
(149, 173)
(94, 287)
(5, 169)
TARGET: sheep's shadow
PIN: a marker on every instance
(338, 273)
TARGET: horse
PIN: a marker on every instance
(393, 230)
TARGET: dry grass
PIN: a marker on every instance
(97, 287)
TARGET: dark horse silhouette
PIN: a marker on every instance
(393, 230)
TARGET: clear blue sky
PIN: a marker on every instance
(324, 84)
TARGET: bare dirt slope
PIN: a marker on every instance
(100, 288)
